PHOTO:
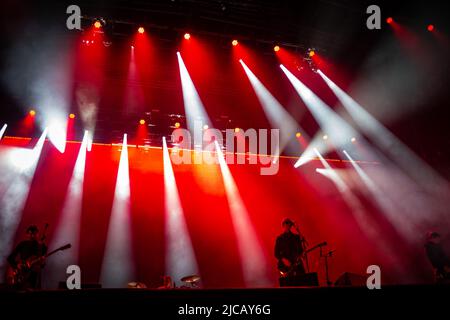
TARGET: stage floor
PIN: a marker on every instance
(264, 303)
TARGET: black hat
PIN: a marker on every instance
(287, 221)
(32, 229)
(432, 235)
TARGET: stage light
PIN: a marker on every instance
(298, 134)
(187, 36)
(430, 27)
(389, 20)
(177, 125)
(205, 127)
(132, 47)
(234, 42)
(141, 30)
(72, 116)
(311, 53)
(142, 121)
(32, 113)
(325, 137)
(237, 129)
(353, 140)
(97, 24)
(276, 48)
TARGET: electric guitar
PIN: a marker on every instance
(21, 273)
(286, 271)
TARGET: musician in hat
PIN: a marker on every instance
(437, 257)
(289, 248)
(24, 261)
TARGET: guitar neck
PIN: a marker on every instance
(67, 246)
(52, 252)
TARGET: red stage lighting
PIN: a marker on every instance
(276, 48)
(142, 121)
(187, 36)
(430, 27)
(141, 30)
(234, 42)
(32, 113)
(389, 20)
(72, 116)
(97, 24)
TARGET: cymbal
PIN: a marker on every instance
(191, 279)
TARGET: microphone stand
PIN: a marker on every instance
(328, 254)
(304, 246)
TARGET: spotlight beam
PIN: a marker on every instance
(364, 177)
(180, 256)
(338, 130)
(2, 131)
(414, 166)
(118, 261)
(193, 106)
(69, 226)
(278, 117)
(393, 210)
(340, 184)
(402, 176)
(17, 172)
(365, 221)
(253, 263)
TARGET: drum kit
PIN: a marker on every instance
(191, 281)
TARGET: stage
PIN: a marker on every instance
(226, 149)
(263, 303)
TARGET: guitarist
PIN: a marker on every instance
(438, 257)
(26, 249)
(289, 248)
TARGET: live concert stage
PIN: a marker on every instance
(269, 155)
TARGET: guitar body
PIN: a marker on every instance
(11, 276)
(294, 269)
(24, 271)
(24, 275)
